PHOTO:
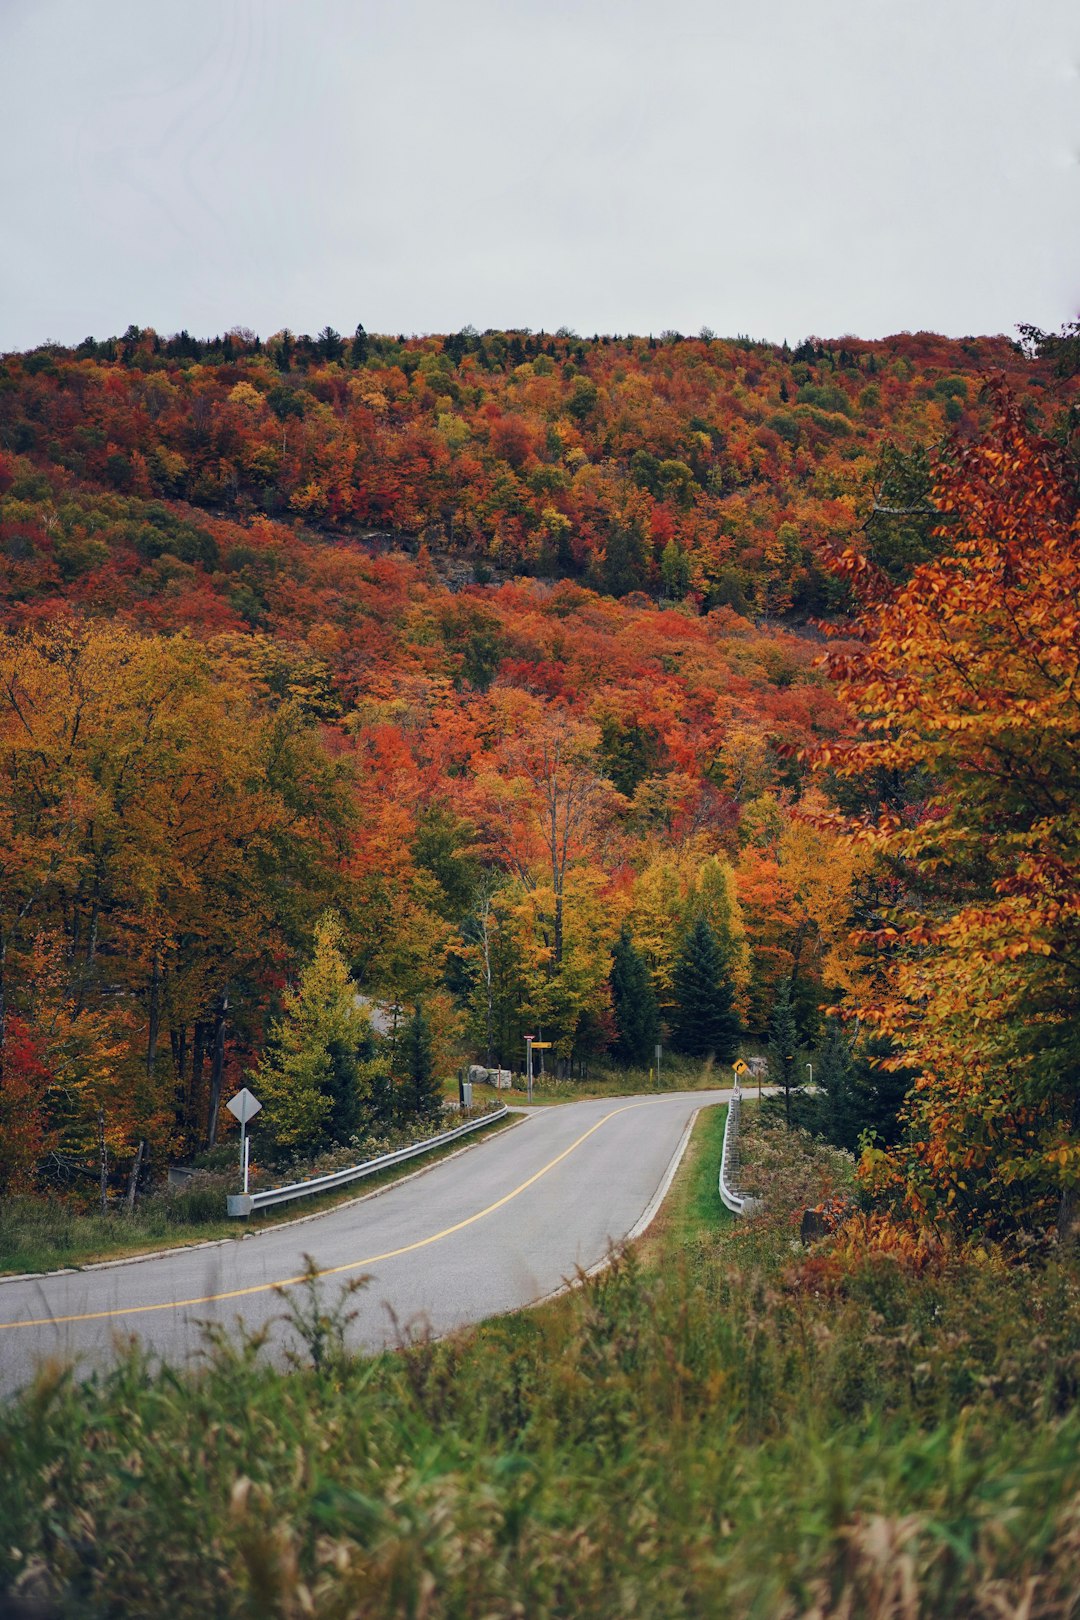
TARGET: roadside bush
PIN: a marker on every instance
(733, 1433)
(202, 1200)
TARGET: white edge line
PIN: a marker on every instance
(640, 1227)
(652, 1209)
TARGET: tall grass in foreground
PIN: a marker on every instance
(721, 1438)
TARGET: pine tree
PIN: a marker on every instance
(424, 1091)
(625, 565)
(358, 350)
(783, 1042)
(381, 1099)
(675, 570)
(704, 1019)
(715, 897)
(343, 1088)
(308, 1081)
(834, 1072)
(634, 1001)
(860, 1094)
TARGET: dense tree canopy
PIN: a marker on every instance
(721, 472)
(970, 676)
(499, 647)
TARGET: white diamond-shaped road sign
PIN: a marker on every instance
(244, 1106)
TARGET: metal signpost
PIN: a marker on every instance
(533, 1045)
(244, 1106)
(740, 1068)
(658, 1051)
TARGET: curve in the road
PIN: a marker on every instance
(481, 1233)
(325, 1271)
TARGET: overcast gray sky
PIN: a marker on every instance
(776, 167)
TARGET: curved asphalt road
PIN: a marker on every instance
(495, 1228)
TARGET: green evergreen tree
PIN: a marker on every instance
(382, 1102)
(704, 1020)
(637, 1016)
(835, 1074)
(630, 752)
(675, 570)
(343, 1089)
(625, 567)
(860, 1095)
(854, 1095)
(308, 1080)
(329, 344)
(783, 1043)
(423, 1094)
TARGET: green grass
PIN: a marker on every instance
(38, 1235)
(692, 1214)
(605, 1080)
(731, 1435)
(697, 1206)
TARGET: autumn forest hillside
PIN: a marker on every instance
(481, 673)
(717, 472)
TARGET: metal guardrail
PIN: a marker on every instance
(738, 1203)
(246, 1203)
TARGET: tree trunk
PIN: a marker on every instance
(103, 1163)
(178, 1042)
(217, 1064)
(133, 1184)
(796, 953)
(155, 1016)
(198, 1063)
(178, 1046)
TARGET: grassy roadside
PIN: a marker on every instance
(746, 1432)
(36, 1236)
(692, 1213)
(677, 1074)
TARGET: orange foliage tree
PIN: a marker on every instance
(167, 828)
(971, 675)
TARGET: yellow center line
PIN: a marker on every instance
(330, 1271)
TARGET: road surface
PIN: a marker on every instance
(493, 1229)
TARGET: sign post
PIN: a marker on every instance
(658, 1051)
(533, 1045)
(244, 1106)
(740, 1069)
(528, 1065)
